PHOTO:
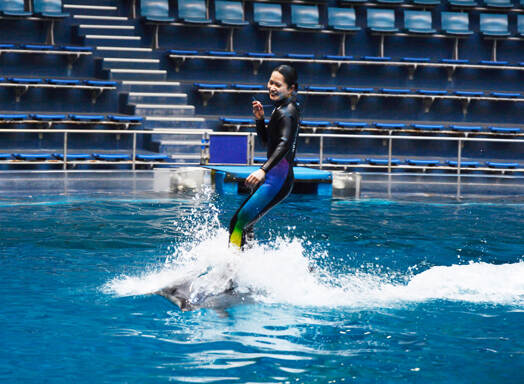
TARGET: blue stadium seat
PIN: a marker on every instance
(33, 156)
(432, 92)
(182, 52)
(463, 3)
(494, 25)
(13, 8)
(501, 165)
(426, 2)
(72, 156)
(338, 57)
(469, 93)
(210, 86)
(7, 46)
(251, 87)
(101, 83)
(499, 4)
(395, 91)
(374, 161)
(390, 1)
(70, 48)
(125, 119)
(520, 25)
(6, 156)
(307, 160)
(305, 17)
(506, 94)
(302, 56)
(49, 9)
(390, 125)
(156, 11)
(490, 62)
(38, 47)
(236, 121)
(25, 80)
(428, 127)
(315, 88)
(193, 11)
(152, 157)
(467, 164)
(86, 118)
(111, 156)
(230, 13)
(505, 130)
(465, 128)
(357, 90)
(260, 54)
(48, 116)
(419, 22)
(268, 15)
(13, 116)
(342, 19)
(455, 23)
(376, 58)
(351, 124)
(422, 162)
(417, 59)
(317, 123)
(221, 53)
(63, 81)
(344, 161)
(381, 20)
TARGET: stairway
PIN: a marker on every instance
(120, 55)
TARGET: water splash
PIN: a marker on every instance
(288, 271)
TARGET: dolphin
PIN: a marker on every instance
(205, 290)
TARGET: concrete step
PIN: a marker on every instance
(100, 19)
(136, 74)
(123, 52)
(150, 86)
(91, 9)
(128, 63)
(115, 40)
(162, 110)
(105, 29)
(156, 98)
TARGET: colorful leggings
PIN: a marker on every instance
(276, 187)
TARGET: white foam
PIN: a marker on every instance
(281, 273)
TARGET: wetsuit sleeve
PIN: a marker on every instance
(261, 130)
(287, 132)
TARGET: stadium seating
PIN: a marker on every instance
(231, 15)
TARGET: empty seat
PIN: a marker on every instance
(25, 80)
(13, 116)
(251, 87)
(155, 10)
(342, 19)
(510, 95)
(222, 53)
(315, 88)
(306, 56)
(416, 162)
(351, 124)
(230, 13)
(48, 116)
(111, 156)
(390, 1)
(72, 156)
(505, 129)
(5, 156)
(357, 90)
(426, 2)
(520, 25)
(101, 83)
(311, 123)
(500, 4)
(236, 121)
(268, 15)
(64, 81)
(125, 119)
(343, 160)
(33, 156)
(193, 11)
(86, 118)
(390, 125)
(496, 164)
(373, 161)
(305, 17)
(494, 25)
(418, 22)
(465, 128)
(469, 164)
(152, 157)
(428, 127)
(210, 86)
(307, 160)
(13, 8)
(455, 23)
(381, 20)
(49, 8)
(463, 3)
(395, 91)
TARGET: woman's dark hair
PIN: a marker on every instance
(289, 73)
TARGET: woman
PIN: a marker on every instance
(273, 182)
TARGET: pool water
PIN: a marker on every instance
(368, 291)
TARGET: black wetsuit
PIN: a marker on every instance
(280, 136)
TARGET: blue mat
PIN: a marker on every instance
(301, 173)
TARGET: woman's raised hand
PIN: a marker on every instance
(258, 110)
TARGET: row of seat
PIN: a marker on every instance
(71, 118)
(180, 56)
(424, 163)
(428, 96)
(23, 84)
(49, 10)
(269, 16)
(461, 4)
(363, 126)
(45, 49)
(81, 157)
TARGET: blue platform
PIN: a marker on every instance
(229, 179)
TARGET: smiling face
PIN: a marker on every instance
(278, 88)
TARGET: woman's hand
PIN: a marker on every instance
(255, 178)
(258, 110)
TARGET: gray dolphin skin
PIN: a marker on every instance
(182, 295)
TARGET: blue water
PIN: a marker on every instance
(345, 291)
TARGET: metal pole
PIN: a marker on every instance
(65, 151)
(390, 151)
(321, 150)
(134, 150)
(459, 164)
